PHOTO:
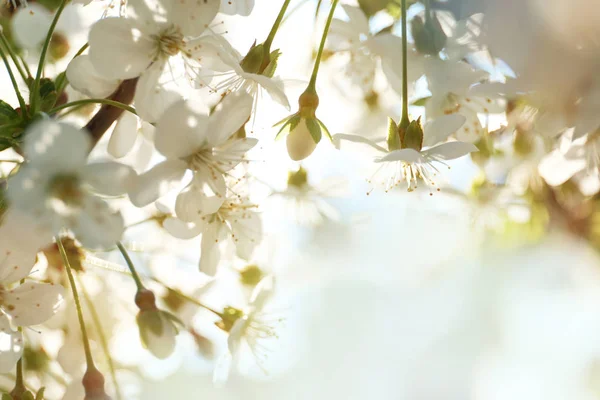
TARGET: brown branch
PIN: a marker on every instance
(105, 117)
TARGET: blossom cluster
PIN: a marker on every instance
(146, 121)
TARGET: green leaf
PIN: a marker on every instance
(324, 128)
(40, 394)
(290, 124)
(27, 396)
(393, 137)
(314, 128)
(421, 102)
(272, 66)
(6, 396)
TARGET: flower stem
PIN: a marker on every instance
(94, 101)
(313, 78)
(34, 95)
(103, 341)
(405, 120)
(14, 58)
(269, 41)
(134, 274)
(14, 82)
(86, 342)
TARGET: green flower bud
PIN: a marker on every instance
(429, 36)
(158, 328)
(413, 136)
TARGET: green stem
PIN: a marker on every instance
(269, 41)
(313, 77)
(94, 101)
(14, 83)
(405, 120)
(187, 298)
(427, 11)
(134, 274)
(13, 57)
(34, 95)
(86, 342)
(103, 340)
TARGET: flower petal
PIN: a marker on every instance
(11, 345)
(57, 145)
(407, 155)
(338, 137)
(181, 130)
(437, 130)
(237, 7)
(33, 303)
(450, 150)
(83, 77)
(229, 116)
(109, 178)
(203, 196)
(119, 49)
(182, 230)
(156, 182)
(124, 135)
(151, 98)
(98, 227)
(192, 17)
(556, 169)
(210, 253)
(247, 233)
(273, 86)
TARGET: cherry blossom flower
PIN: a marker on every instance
(237, 7)
(143, 45)
(412, 165)
(236, 220)
(57, 185)
(30, 303)
(248, 330)
(191, 140)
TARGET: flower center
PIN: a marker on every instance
(169, 42)
(66, 188)
(228, 318)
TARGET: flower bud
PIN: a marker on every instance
(157, 328)
(429, 36)
(413, 137)
(93, 383)
(300, 143)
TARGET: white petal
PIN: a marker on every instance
(57, 145)
(229, 116)
(450, 150)
(407, 155)
(30, 25)
(118, 48)
(235, 149)
(273, 86)
(210, 253)
(124, 135)
(556, 169)
(11, 345)
(83, 77)
(222, 369)
(299, 142)
(247, 234)
(151, 98)
(33, 303)
(98, 227)
(109, 178)
(193, 16)
(203, 196)
(156, 182)
(182, 130)
(358, 19)
(182, 230)
(162, 346)
(237, 7)
(213, 52)
(438, 129)
(338, 137)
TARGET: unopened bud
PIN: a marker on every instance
(300, 143)
(93, 384)
(157, 328)
(429, 36)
